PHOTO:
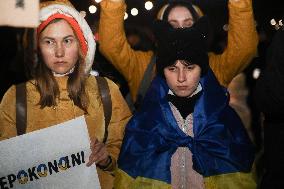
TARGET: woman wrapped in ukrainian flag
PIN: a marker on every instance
(185, 135)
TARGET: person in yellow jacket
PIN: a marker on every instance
(63, 89)
(241, 47)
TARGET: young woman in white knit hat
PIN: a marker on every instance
(63, 89)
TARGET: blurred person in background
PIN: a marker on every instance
(239, 51)
(269, 98)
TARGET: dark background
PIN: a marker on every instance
(264, 10)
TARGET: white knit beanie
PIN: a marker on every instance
(51, 10)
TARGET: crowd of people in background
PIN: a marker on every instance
(185, 109)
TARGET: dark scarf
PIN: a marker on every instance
(185, 105)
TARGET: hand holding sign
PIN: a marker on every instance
(99, 154)
(49, 158)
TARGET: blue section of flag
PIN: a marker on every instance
(220, 144)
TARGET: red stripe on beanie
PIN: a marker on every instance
(73, 23)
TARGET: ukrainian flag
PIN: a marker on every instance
(222, 151)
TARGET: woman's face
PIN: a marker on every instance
(59, 47)
(182, 79)
(180, 17)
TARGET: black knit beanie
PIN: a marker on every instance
(188, 44)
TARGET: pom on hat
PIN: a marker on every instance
(188, 44)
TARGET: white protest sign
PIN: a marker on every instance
(19, 13)
(51, 158)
